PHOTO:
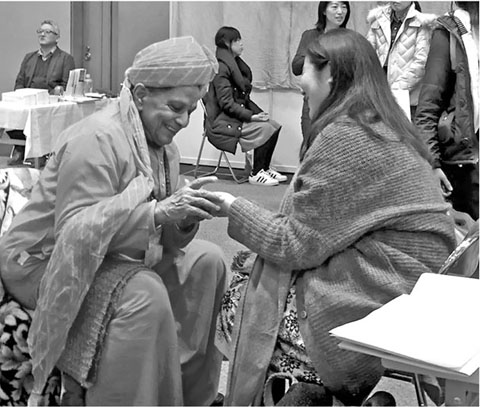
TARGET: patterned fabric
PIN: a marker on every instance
(16, 378)
(289, 357)
(174, 62)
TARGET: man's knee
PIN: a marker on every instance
(21, 279)
(145, 294)
(209, 259)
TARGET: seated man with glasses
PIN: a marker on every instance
(46, 68)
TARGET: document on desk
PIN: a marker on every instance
(435, 326)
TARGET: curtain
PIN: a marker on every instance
(270, 30)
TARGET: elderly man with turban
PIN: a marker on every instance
(124, 300)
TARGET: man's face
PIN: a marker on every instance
(164, 112)
(47, 37)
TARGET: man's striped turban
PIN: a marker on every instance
(178, 61)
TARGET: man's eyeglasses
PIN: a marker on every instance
(40, 31)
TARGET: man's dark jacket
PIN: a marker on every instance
(444, 89)
(228, 102)
(61, 63)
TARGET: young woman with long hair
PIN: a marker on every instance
(330, 15)
(362, 219)
(232, 116)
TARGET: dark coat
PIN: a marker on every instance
(228, 102)
(444, 89)
(307, 37)
(61, 64)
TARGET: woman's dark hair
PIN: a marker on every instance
(417, 6)
(359, 89)
(225, 36)
(322, 18)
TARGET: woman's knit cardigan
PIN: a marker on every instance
(362, 218)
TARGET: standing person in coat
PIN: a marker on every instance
(448, 106)
(346, 238)
(400, 34)
(47, 68)
(233, 118)
(331, 14)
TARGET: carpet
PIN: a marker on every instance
(215, 230)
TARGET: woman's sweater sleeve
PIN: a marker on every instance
(345, 187)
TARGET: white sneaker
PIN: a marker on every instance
(262, 178)
(276, 175)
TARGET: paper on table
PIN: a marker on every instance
(435, 324)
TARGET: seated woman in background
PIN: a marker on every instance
(331, 15)
(362, 219)
(233, 117)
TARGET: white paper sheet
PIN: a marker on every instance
(436, 324)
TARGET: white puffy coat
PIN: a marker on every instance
(406, 63)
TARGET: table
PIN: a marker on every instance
(41, 124)
(460, 390)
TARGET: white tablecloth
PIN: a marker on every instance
(41, 124)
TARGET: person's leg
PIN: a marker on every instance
(18, 152)
(140, 363)
(21, 277)
(262, 156)
(196, 288)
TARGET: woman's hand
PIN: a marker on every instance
(188, 205)
(226, 202)
(444, 182)
(260, 117)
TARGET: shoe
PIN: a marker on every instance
(276, 175)
(16, 157)
(380, 398)
(262, 178)
(41, 163)
(219, 400)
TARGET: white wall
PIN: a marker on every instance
(284, 106)
(18, 22)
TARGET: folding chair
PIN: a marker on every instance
(222, 156)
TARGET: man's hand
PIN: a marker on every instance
(444, 182)
(188, 205)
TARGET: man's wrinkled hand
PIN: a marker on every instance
(188, 205)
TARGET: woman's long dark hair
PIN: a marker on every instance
(322, 18)
(359, 89)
